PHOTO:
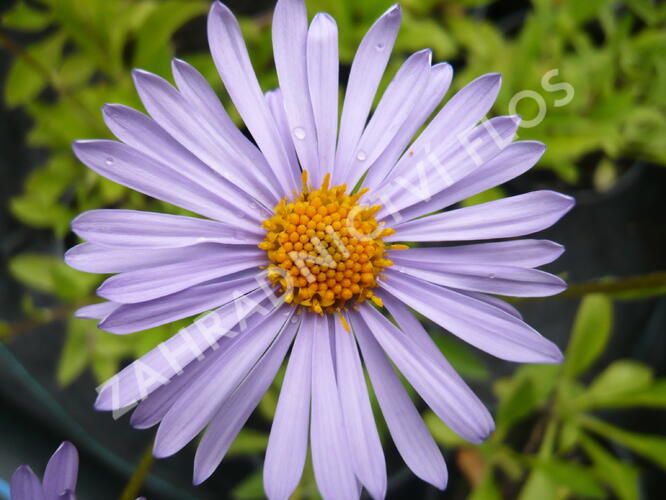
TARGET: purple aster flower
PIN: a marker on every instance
(59, 477)
(289, 256)
(59, 481)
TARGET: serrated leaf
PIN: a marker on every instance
(590, 334)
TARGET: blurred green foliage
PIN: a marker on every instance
(610, 52)
(569, 450)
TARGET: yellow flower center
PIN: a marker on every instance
(325, 249)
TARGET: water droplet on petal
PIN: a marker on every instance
(109, 161)
(491, 276)
(299, 133)
(253, 205)
(361, 156)
(380, 46)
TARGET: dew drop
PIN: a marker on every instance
(380, 47)
(109, 161)
(361, 156)
(299, 133)
(491, 276)
(253, 206)
(294, 320)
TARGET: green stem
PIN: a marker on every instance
(140, 474)
(632, 284)
(548, 443)
(11, 330)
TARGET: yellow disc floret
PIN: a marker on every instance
(325, 249)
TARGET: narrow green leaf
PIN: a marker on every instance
(442, 432)
(491, 194)
(75, 353)
(590, 334)
(650, 446)
(159, 28)
(624, 383)
(538, 486)
(521, 394)
(104, 367)
(574, 477)
(462, 358)
(249, 442)
(569, 436)
(48, 273)
(250, 488)
(487, 489)
(25, 17)
(622, 478)
(25, 81)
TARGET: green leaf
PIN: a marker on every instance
(104, 367)
(538, 486)
(156, 33)
(463, 359)
(25, 17)
(75, 353)
(419, 33)
(4, 330)
(75, 70)
(34, 271)
(442, 432)
(624, 383)
(249, 442)
(268, 403)
(590, 334)
(574, 477)
(518, 403)
(251, 488)
(569, 436)
(47, 273)
(487, 488)
(650, 446)
(25, 81)
(492, 194)
(521, 394)
(621, 477)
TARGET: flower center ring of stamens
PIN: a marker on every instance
(325, 249)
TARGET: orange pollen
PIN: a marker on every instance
(325, 248)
